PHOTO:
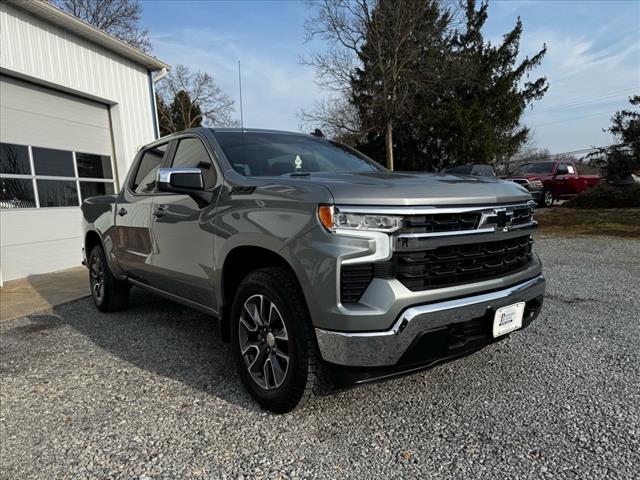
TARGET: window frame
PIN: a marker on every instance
(560, 165)
(207, 148)
(136, 166)
(76, 179)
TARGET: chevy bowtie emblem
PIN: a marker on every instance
(503, 218)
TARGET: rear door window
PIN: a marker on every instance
(144, 182)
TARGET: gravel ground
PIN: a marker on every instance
(152, 393)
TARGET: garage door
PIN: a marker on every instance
(55, 150)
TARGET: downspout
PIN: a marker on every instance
(154, 105)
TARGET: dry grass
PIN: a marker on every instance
(618, 222)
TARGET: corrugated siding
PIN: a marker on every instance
(31, 47)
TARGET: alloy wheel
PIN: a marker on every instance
(97, 278)
(548, 198)
(264, 342)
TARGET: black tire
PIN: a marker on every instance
(290, 318)
(109, 294)
(547, 199)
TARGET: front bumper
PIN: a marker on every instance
(425, 334)
(537, 195)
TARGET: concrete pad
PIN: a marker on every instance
(41, 292)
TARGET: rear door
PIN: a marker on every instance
(183, 231)
(133, 215)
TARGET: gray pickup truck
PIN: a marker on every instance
(322, 268)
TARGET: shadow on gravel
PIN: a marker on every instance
(156, 335)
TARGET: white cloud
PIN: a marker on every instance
(589, 78)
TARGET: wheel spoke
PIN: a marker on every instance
(281, 335)
(274, 314)
(245, 324)
(254, 310)
(277, 371)
(282, 355)
(250, 346)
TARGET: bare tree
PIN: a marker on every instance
(190, 99)
(335, 116)
(381, 36)
(117, 17)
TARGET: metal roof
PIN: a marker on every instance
(73, 24)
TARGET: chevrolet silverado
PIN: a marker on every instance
(322, 268)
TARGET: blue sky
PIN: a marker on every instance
(593, 59)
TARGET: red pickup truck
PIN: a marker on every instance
(554, 180)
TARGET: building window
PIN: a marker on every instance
(53, 163)
(57, 193)
(94, 189)
(93, 166)
(17, 193)
(14, 159)
(32, 177)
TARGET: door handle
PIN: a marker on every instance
(122, 212)
(160, 211)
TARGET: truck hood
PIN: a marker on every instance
(530, 176)
(404, 189)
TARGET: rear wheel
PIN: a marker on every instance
(109, 294)
(272, 340)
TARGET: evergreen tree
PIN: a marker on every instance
(476, 116)
(164, 116)
(619, 161)
(184, 113)
(428, 92)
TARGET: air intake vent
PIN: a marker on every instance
(354, 280)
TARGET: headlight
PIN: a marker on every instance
(536, 184)
(333, 219)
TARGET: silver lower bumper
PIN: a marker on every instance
(383, 348)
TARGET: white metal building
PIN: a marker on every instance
(75, 105)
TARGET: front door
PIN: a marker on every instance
(133, 216)
(183, 231)
(561, 181)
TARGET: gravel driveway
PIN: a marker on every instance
(152, 392)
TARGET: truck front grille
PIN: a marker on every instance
(458, 264)
(435, 223)
(522, 216)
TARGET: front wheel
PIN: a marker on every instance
(547, 199)
(272, 340)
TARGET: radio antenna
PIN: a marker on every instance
(240, 85)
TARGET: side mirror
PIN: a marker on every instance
(185, 181)
(180, 180)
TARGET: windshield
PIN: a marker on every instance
(542, 167)
(267, 154)
(461, 169)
